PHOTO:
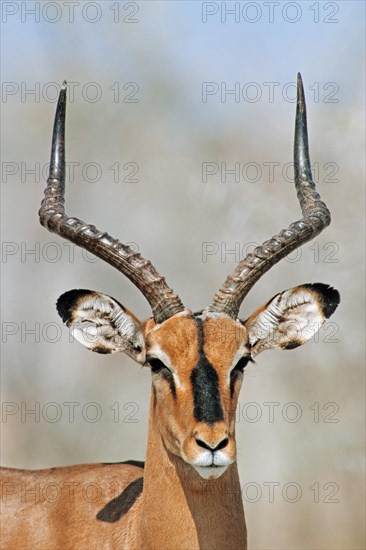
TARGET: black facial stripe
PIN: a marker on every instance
(168, 376)
(155, 399)
(238, 371)
(205, 385)
(158, 367)
(233, 378)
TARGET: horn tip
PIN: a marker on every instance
(300, 93)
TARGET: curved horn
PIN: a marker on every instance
(163, 301)
(316, 217)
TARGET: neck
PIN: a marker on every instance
(182, 510)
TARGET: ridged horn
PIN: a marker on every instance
(163, 301)
(316, 217)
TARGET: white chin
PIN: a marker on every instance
(210, 472)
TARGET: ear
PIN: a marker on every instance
(291, 318)
(102, 324)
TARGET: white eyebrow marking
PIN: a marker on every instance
(156, 351)
(242, 351)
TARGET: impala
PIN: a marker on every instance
(187, 495)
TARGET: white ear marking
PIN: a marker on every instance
(291, 318)
(102, 324)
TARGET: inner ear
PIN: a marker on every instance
(102, 324)
(291, 318)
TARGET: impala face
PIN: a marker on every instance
(197, 360)
(197, 364)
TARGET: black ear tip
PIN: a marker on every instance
(333, 300)
(66, 302)
(330, 297)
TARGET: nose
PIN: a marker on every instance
(221, 445)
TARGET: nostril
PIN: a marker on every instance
(203, 444)
(223, 443)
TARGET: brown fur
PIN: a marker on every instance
(56, 508)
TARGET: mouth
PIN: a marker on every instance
(211, 465)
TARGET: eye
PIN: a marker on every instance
(157, 365)
(241, 364)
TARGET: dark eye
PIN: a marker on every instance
(241, 364)
(157, 365)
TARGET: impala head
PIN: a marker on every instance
(196, 360)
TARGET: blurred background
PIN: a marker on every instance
(179, 140)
